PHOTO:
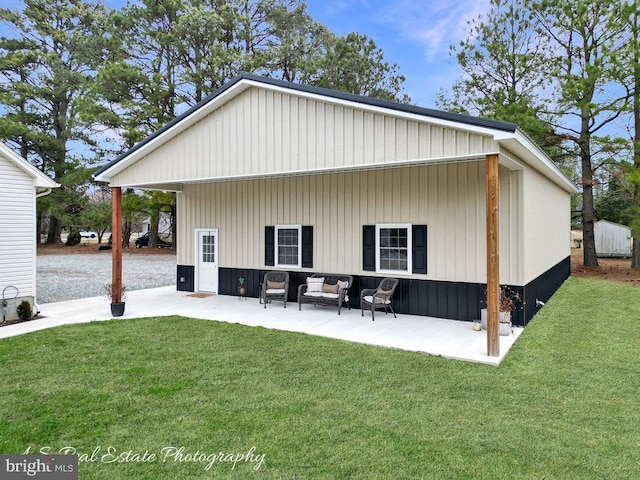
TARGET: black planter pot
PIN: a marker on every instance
(117, 309)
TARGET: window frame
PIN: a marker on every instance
(409, 228)
(276, 259)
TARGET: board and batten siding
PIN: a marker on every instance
(449, 198)
(547, 224)
(17, 229)
(262, 132)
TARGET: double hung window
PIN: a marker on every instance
(393, 248)
(288, 243)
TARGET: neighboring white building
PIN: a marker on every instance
(612, 239)
(164, 226)
(277, 175)
(20, 184)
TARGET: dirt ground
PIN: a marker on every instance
(93, 247)
(614, 269)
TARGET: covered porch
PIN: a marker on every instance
(433, 336)
(260, 155)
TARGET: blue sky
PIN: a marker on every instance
(415, 34)
(412, 33)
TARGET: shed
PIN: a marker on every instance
(612, 239)
(20, 184)
(261, 162)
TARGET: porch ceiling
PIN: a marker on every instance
(177, 186)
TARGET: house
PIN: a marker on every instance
(276, 175)
(20, 184)
(612, 239)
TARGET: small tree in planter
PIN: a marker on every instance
(114, 293)
(510, 301)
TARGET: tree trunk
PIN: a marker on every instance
(53, 233)
(39, 218)
(590, 257)
(635, 255)
(153, 231)
(126, 234)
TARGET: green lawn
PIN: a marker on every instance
(565, 403)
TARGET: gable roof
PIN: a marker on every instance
(39, 179)
(503, 132)
(400, 107)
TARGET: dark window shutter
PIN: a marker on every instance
(419, 245)
(307, 246)
(369, 248)
(269, 245)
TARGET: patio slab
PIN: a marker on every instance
(434, 336)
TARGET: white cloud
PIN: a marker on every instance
(433, 24)
(415, 34)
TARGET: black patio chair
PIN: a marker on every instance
(379, 298)
(275, 287)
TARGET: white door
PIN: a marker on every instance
(207, 262)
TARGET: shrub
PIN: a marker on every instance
(510, 300)
(111, 292)
(24, 311)
(74, 238)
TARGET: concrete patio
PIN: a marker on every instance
(434, 336)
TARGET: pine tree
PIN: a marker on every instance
(48, 90)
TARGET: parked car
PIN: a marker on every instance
(86, 234)
(143, 241)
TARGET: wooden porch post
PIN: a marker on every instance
(116, 244)
(493, 256)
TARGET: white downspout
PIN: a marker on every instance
(44, 193)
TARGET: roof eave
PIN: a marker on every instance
(40, 180)
(520, 143)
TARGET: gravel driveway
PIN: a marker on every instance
(67, 277)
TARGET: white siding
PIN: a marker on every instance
(449, 198)
(547, 224)
(17, 229)
(262, 132)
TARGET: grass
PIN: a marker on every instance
(563, 404)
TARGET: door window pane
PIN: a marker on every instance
(208, 248)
